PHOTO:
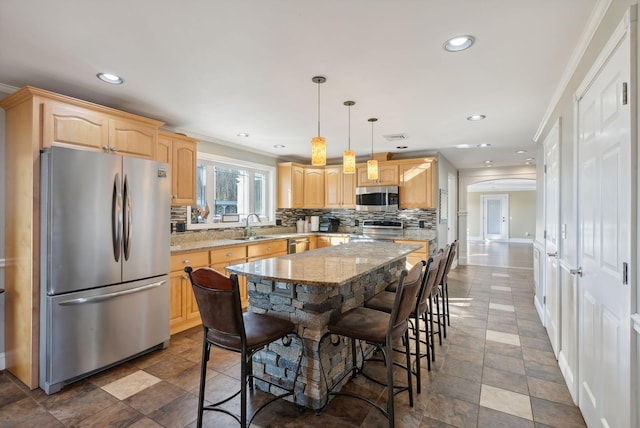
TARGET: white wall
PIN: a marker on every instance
(2, 260)
(522, 214)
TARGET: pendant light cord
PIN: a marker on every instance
(318, 109)
(349, 141)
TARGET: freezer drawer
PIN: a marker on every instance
(90, 330)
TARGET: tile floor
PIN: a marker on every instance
(494, 369)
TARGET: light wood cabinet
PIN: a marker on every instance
(91, 128)
(340, 188)
(419, 254)
(290, 185)
(387, 175)
(183, 308)
(181, 153)
(313, 242)
(417, 185)
(232, 255)
(328, 241)
(313, 187)
(273, 248)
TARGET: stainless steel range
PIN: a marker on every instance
(379, 230)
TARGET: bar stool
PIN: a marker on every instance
(443, 284)
(436, 294)
(380, 329)
(384, 302)
(226, 327)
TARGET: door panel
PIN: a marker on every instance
(554, 304)
(77, 199)
(495, 217)
(149, 193)
(604, 211)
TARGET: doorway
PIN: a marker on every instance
(495, 217)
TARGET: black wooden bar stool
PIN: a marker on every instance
(380, 329)
(227, 327)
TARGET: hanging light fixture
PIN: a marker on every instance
(372, 164)
(318, 144)
(349, 156)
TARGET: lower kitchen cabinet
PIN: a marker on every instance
(327, 241)
(183, 309)
(417, 255)
(227, 256)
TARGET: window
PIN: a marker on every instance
(228, 190)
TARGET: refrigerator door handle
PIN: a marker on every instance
(126, 229)
(116, 218)
(103, 297)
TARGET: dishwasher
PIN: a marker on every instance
(298, 245)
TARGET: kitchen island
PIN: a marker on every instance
(309, 289)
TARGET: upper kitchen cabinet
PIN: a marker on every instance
(340, 188)
(387, 175)
(181, 153)
(417, 184)
(290, 185)
(70, 122)
(313, 187)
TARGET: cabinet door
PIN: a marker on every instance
(183, 170)
(333, 187)
(416, 185)
(387, 176)
(68, 124)
(349, 191)
(163, 149)
(314, 187)
(313, 242)
(324, 241)
(130, 138)
(290, 185)
(177, 300)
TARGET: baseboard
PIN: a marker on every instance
(474, 238)
(3, 362)
(521, 240)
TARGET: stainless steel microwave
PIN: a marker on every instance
(377, 198)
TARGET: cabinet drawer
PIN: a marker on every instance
(228, 254)
(267, 248)
(199, 259)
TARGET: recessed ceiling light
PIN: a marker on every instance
(519, 152)
(527, 163)
(279, 146)
(483, 145)
(402, 147)
(463, 146)
(529, 159)
(488, 165)
(243, 134)
(110, 78)
(488, 161)
(475, 117)
(459, 43)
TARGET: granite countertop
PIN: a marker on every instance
(329, 266)
(205, 244)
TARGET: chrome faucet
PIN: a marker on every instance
(248, 226)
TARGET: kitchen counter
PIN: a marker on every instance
(181, 243)
(329, 266)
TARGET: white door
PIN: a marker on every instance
(552, 301)
(604, 215)
(495, 217)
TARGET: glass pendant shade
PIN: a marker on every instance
(349, 162)
(372, 169)
(318, 151)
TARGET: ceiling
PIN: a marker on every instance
(214, 69)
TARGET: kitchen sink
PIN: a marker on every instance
(250, 238)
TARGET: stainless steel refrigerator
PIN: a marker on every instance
(104, 240)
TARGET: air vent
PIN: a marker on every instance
(395, 137)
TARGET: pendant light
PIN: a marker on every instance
(372, 164)
(349, 156)
(318, 144)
